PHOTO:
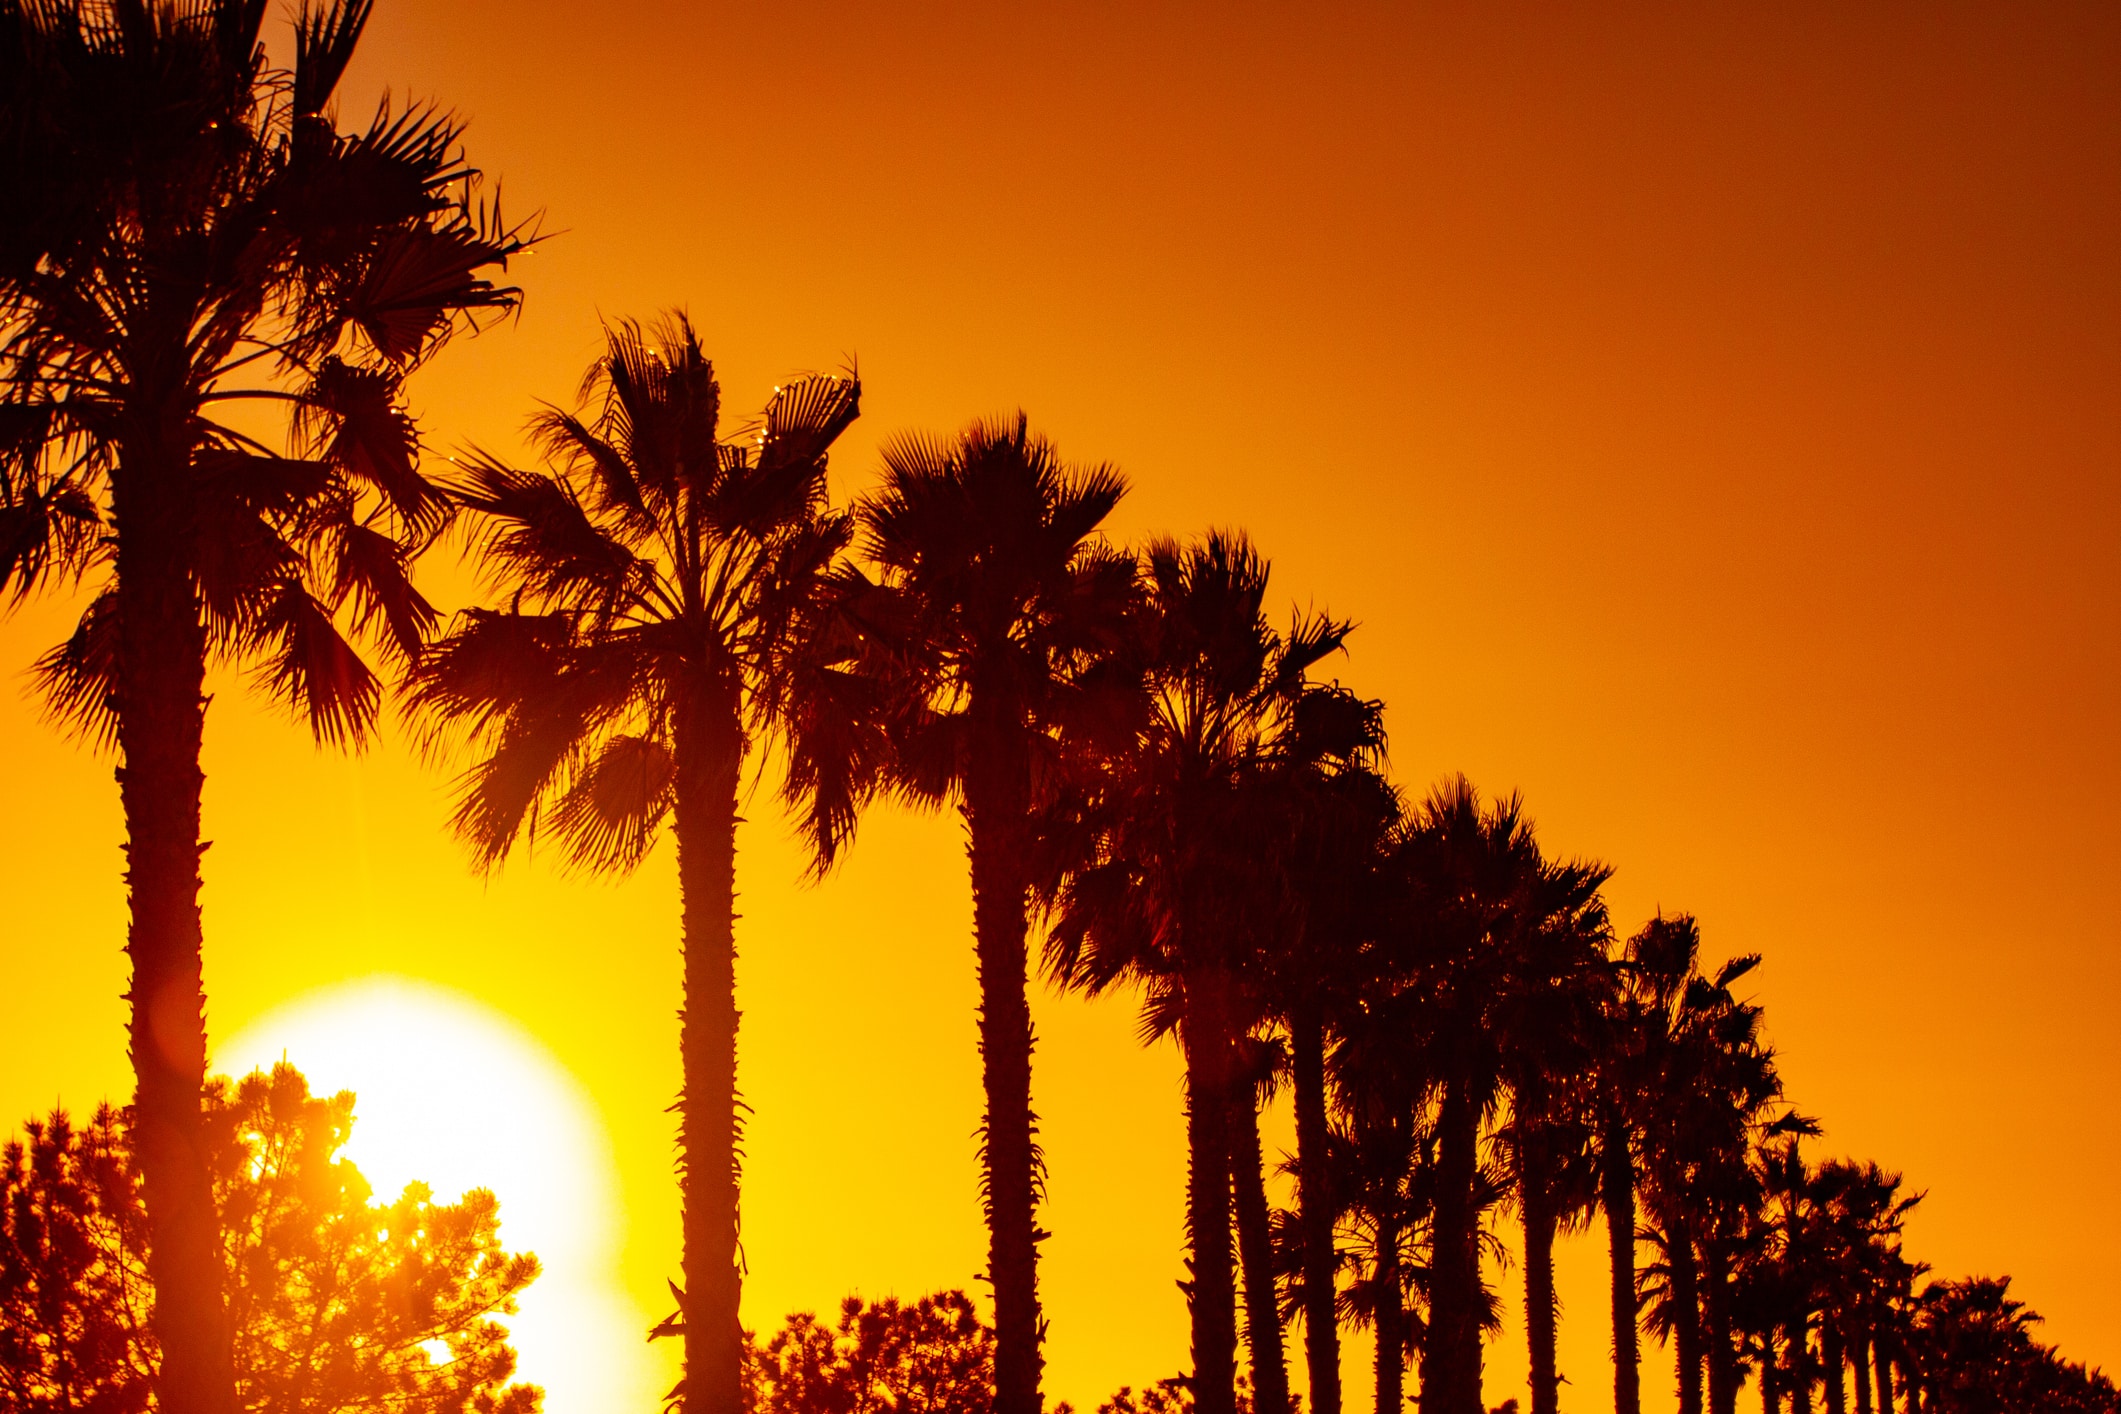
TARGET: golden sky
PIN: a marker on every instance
(1711, 420)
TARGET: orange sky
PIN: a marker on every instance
(1711, 420)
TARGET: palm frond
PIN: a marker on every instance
(494, 664)
(536, 534)
(314, 671)
(375, 572)
(352, 417)
(79, 677)
(325, 37)
(610, 813)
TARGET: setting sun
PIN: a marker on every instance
(451, 1093)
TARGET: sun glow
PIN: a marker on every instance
(453, 1094)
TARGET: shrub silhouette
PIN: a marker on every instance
(337, 1303)
(931, 1356)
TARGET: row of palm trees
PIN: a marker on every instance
(1156, 783)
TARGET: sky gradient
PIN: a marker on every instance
(1712, 420)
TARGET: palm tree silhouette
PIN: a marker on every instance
(1384, 1162)
(1339, 814)
(1260, 1062)
(667, 588)
(1000, 598)
(1171, 896)
(183, 230)
(1707, 1084)
(1485, 929)
(1549, 1142)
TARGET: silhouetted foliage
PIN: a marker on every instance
(1971, 1351)
(931, 1356)
(338, 1302)
(1168, 1396)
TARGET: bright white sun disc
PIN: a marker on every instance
(452, 1093)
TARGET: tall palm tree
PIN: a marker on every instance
(1486, 927)
(1260, 1062)
(1171, 896)
(1550, 1028)
(1708, 1084)
(1860, 1213)
(1384, 1161)
(183, 231)
(1339, 823)
(668, 601)
(1001, 599)
(1552, 1155)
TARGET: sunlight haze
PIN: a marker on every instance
(1708, 415)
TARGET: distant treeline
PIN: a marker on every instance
(1162, 792)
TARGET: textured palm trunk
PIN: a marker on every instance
(1724, 1376)
(1860, 1357)
(1616, 1193)
(1450, 1367)
(1316, 1210)
(161, 710)
(1770, 1398)
(1882, 1358)
(1206, 1034)
(1686, 1313)
(1541, 1325)
(1834, 1362)
(1255, 1247)
(1391, 1361)
(1801, 1375)
(994, 816)
(709, 1123)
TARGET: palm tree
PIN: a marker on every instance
(1639, 1060)
(1260, 1062)
(1708, 1082)
(1340, 820)
(183, 231)
(1485, 928)
(1000, 598)
(1171, 896)
(1550, 1140)
(1860, 1214)
(668, 601)
(1384, 1166)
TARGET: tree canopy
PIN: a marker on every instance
(341, 1304)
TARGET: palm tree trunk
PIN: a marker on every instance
(994, 816)
(1255, 1247)
(1860, 1357)
(1834, 1359)
(1770, 1400)
(1616, 1185)
(1391, 1366)
(1206, 1035)
(1315, 1203)
(1686, 1315)
(1724, 1378)
(1450, 1373)
(161, 710)
(1540, 1308)
(709, 1124)
(1882, 1357)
